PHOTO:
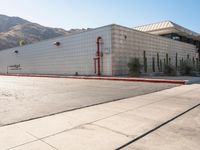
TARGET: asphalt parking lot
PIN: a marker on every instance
(24, 98)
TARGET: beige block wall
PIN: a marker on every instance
(76, 53)
(128, 43)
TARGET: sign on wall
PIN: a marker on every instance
(15, 67)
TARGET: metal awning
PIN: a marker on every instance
(166, 27)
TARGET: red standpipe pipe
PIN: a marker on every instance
(95, 68)
(98, 56)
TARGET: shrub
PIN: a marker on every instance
(197, 67)
(186, 68)
(134, 67)
(145, 61)
(169, 70)
(22, 43)
(153, 64)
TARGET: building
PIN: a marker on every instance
(102, 51)
(173, 31)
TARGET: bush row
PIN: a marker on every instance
(187, 67)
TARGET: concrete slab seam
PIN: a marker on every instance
(156, 128)
(79, 126)
(37, 139)
(21, 144)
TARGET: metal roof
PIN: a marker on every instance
(166, 27)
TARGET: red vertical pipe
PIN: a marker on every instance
(98, 56)
(95, 69)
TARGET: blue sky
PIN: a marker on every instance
(94, 13)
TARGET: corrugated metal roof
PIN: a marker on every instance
(165, 25)
(154, 26)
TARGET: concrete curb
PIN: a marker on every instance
(182, 82)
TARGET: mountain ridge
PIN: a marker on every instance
(16, 29)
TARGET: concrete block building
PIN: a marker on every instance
(102, 51)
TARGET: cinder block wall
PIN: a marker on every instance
(128, 43)
(76, 53)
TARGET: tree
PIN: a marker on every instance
(22, 43)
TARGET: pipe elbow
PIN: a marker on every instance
(98, 39)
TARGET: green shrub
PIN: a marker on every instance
(22, 43)
(134, 67)
(186, 68)
(169, 70)
(197, 65)
(176, 61)
(153, 64)
(161, 65)
(145, 61)
(158, 62)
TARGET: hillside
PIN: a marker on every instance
(15, 29)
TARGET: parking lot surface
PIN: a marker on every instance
(164, 120)
(24, 98)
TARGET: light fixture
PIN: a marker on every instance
(57, 43)
(125, 37)
(16, 51)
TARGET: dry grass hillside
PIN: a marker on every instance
(15, 29)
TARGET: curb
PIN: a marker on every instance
(182, 82)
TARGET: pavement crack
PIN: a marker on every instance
(94, 124)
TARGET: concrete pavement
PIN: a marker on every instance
(24, 98)
(111, 125)
(180, 134)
